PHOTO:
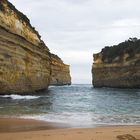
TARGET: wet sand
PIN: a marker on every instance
(20, 129)
(22, 125)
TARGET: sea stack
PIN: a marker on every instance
(60, 72)
(118, 66)
(25, 60)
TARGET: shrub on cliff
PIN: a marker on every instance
(130, 47)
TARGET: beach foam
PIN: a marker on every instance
(19, 97)
(86, 119)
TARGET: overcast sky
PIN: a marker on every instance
(75, 29)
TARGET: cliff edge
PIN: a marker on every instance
(60, 72)
(25, 60)
(118, 66)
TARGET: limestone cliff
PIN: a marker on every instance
(60, 72)
(118, 66)
(24, 58)
(26, 65)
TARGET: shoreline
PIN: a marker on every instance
(18, 124)
(15, 129)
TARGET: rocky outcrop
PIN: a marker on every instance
(24, 58)
(60, 72)
(25, 61)
(118, 66)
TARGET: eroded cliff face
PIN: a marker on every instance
(26, 65)
(24, 58)
(118, 66)
(60, 72)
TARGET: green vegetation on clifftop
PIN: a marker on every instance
(130, 47)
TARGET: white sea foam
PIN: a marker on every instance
(71, 119)
(86, 119)
(20, 97)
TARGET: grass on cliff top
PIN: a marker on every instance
(131, 47)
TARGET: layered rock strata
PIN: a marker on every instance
(24, 58)
(60, 72)
(118, 66)
(26, 63)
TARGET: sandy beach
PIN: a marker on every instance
(21, 129)
(23, 125)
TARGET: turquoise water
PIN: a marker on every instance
(76, 105)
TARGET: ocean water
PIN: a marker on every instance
(76, 105)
